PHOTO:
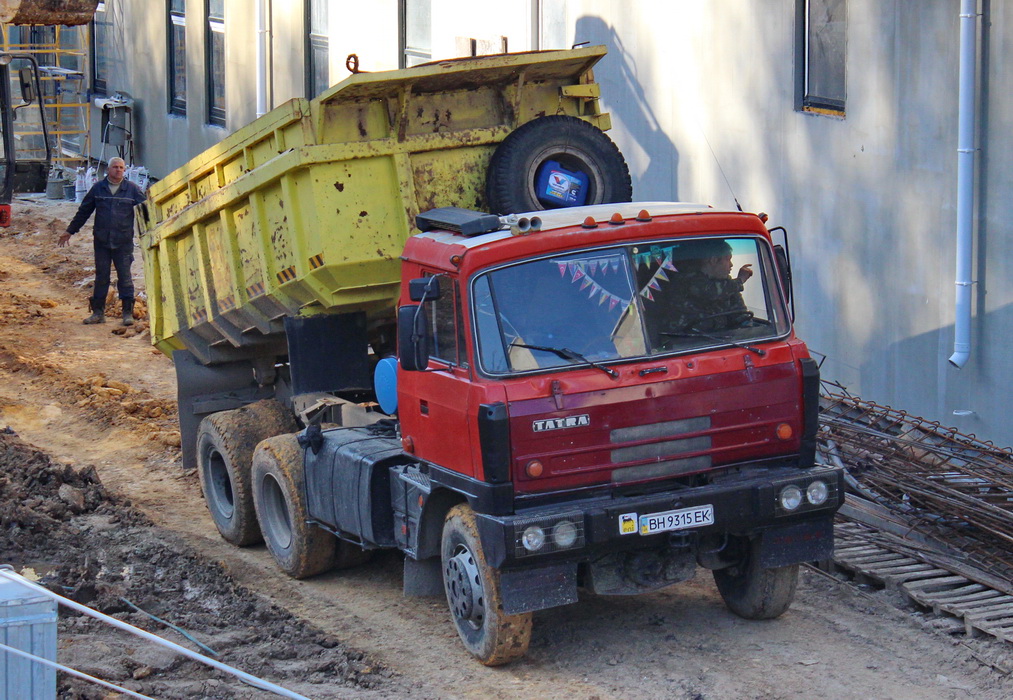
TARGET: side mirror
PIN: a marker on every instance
(413, 337)
(25, 77)
(424, 288)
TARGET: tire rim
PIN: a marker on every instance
(277, 520)
(464, 587)
(219, 482)
(572, 159)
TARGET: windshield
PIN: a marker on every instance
(625, 302)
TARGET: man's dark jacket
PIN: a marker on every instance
(114, 213)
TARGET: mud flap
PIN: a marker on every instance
(812, 540)
(538, 588)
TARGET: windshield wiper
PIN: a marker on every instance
(568, 354)
(697, 332)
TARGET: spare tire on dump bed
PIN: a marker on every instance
(576, 145)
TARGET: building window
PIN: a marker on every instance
(317, 51)
(416, 32)
(821, 53)
(176, 31)
(100, 41)
(215, 61)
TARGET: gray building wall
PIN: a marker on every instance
(703, 90)
(139, 48)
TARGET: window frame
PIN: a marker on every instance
(175, 19)
(314, 43)
(449, 301)
(805, 99)
(417, 54)
(216, 114)
(99, 84)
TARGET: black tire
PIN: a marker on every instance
(755, 593)
(299, 548)
(575, 144)
(473, 594)
(225, 445)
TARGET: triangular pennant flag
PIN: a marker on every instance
(594, 266)
(577, 274)
(660, 274)
(615, 266)
(649, 295)
(612, 302)
(586, 283)
(562, 269)
(654, 284)
(602, 297)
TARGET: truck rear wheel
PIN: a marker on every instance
(755, 593)
(225, 445)
(473, 594)
(574, 144)
(301, 549)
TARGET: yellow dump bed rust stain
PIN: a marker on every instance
(306, 209)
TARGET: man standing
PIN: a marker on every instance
(113, 200)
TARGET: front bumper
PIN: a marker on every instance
(747, 504)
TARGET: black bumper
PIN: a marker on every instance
(745, 505)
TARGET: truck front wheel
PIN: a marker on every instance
(755, 593)
(473, 594)
(300, 549)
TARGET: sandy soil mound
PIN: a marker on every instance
(60, 525)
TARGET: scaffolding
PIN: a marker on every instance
(63, 54)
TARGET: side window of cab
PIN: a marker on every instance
(446, 325)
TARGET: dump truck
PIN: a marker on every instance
(419, 312)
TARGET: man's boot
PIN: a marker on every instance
(98, 312)
(128, 312)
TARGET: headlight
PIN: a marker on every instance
(533, 538)
(817, 493)
(565, 534)
(791, 497)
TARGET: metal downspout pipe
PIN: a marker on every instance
(966, 111)
(263, 37)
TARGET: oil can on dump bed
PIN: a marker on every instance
(591, 397)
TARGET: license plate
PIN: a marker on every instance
(682, 519)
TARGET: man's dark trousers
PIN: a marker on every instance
(121, 257)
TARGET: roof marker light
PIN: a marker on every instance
(589, 222)
(643, 215)
(617, 219)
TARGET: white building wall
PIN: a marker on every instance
(702, 90)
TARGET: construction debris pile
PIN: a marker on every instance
(946, 484)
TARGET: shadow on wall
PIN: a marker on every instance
(921, 381)
(652, 157)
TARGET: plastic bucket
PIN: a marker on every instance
(55, 189)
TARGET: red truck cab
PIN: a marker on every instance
(613, 401)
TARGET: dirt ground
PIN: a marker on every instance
(93, 500)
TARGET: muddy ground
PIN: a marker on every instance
(92, 408)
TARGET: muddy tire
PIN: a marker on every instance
(575, 144)
(225, 445)
(473, 594)
(753, 592)
(299, 548)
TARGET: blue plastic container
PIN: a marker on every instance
(559, 187)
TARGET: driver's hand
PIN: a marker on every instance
(63, 240)
(745, 273)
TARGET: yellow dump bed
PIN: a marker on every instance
(306, 210)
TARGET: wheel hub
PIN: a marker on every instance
(464, 588)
